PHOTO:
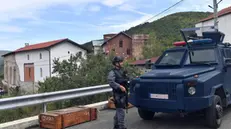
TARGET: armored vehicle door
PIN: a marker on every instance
(227, 71)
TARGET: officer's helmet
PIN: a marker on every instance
(117, 59)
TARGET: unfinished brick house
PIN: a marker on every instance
(120, 44)
(138, 42)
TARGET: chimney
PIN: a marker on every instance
(26, 44)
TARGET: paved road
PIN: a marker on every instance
(161, 121)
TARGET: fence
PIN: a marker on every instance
(44, 98)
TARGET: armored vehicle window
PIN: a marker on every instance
(206, 55)
(227, 52)
(172, 58)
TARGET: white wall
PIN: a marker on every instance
(58, 51)
(97, 49)
(61, 51)
(34, 57)
(224, 26)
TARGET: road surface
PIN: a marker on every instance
(160, 121)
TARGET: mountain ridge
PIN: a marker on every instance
(166, 30)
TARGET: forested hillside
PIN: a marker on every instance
(1, 60)
(166, 30)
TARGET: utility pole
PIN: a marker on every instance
(215, 7)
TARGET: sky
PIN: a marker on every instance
(35, 21)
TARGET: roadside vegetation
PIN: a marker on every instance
(93, 71)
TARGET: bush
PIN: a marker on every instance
(92, 71)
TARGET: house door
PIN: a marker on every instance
(29, 72)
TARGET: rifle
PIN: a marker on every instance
(126, 84)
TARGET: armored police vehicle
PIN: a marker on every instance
(194, 76)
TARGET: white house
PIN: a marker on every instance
(33, 63)
(224, 22)
(94, 46)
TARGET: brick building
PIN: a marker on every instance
(120, 44)
(138, 41)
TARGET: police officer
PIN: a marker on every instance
(116, 82)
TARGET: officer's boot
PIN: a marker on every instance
(122, 128)
(116, 127)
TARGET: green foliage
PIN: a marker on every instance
(166, 30)
(92, 71)
(20, 113)
(70, 75)
(152, 48)
(1, 75)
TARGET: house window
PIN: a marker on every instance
(28, 57)
(41, 72)
(40, 56)
(11, 73)
(121, 43)
(128, 52)
(14, 73)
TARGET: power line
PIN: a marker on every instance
(164, 10)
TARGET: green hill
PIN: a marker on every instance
(166, 30)
(2, 52)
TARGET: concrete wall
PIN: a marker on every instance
(11, 71)
(39, 64)
(28, 87)
(97, 49)
(224, 26)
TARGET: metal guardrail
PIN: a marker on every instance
(44, 98)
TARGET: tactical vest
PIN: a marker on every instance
(119, 78)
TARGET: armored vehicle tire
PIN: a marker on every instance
(146, 115)
(214, 113)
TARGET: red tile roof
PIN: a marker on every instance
(142, 62)
(223, 12)
(39, 45)
(44, 45)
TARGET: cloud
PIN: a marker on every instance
(113, 3)
(127, 25)
(94, 8)
(12, 29)
(128, 7)
(31, 9)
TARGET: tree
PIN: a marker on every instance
(153, 47)
(77, 72)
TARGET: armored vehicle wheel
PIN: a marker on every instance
(214, 113)
(146, 115)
